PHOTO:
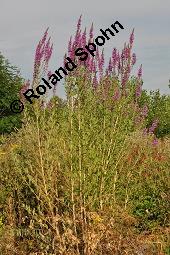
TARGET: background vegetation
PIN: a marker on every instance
(10, 85)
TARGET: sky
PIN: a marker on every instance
(22, 24)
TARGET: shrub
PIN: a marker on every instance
(85, 170)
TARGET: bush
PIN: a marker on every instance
(82, 173)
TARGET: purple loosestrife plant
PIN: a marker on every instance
(113, 84)
(131, 39)
(86, 143)
(95, 82)
(101, 64)
(153, 126)
(138, 91)
(91, 35)
(133, 59)
(140, 72)
(23, 89)
(151, 130)
(42, 56)
(144, 111)
(83, 39)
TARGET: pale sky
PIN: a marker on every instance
(22, 24)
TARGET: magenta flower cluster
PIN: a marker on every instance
(119, 67)
(43, 54)
(83, 51)
(80, 52)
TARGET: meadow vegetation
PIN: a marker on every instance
(88, 175)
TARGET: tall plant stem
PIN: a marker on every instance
(72, 174)
(103, 165)
(81, 176)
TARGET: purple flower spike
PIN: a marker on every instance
(131, 40)
(92, 66)
(77, 38)
(91, 33)
(123, 55)
(126, 53)
(24, 88)
(114, 56)
(42, 56)
(45, 36)
(110, 66)
(133, 59)
(70, 46)
(124, 80)
(145, 111)
(83, 39)
(153, 126)
(140, 72)
(49, 51)
(101, 64)
(97, 54)
(79, 24)
(138, 91)
(64, 61)
(49, 74)
(95, 82)
(155, 141)
(118, 62)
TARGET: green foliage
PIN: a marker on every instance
(167, 250)
(159, 108)
(151, 209)
(10, 84)
(81, 156)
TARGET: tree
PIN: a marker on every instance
(10, 85)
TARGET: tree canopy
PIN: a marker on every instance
(10, 85)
